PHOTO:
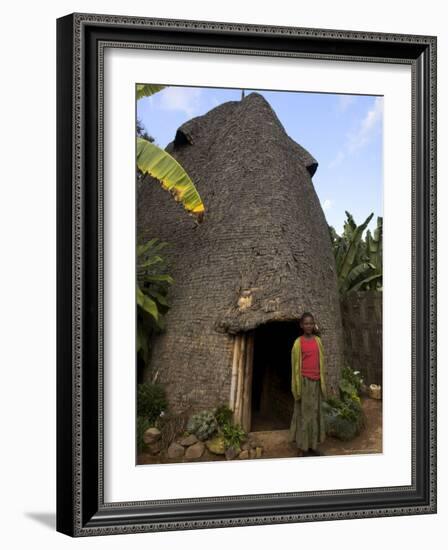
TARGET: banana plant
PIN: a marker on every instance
(375, 243)
(163, 167)
(144, 90)
(358, 262)
(152, 282)
(152, 288)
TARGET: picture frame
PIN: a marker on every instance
(81, 507)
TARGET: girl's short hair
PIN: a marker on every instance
(306, 314)
(309, 314)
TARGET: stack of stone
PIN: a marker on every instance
(190, 447)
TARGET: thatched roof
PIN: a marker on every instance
(263, 251)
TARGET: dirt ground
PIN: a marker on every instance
(275, 443)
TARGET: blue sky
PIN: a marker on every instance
(343, 133)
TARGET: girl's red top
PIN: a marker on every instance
(310, 358)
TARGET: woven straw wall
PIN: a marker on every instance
(362, 320)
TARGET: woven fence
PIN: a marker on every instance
(362, 319)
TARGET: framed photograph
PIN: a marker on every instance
(246, 274)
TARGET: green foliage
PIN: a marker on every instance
(207, 424)
(141, 132)
(344, 416)
(203, 425)
(375, 249)
(163, 167)
(352, 376)
(142, 425)
(152, 278)
(341, 409)
(348, 390)
(333, 402)
(358, 262)
(223, 415)
(146, 90)
(233, 434)
(151, 401)
(153, 283)
(159, 164)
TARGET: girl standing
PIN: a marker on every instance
(307, 428)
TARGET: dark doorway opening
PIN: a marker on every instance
(272, 400)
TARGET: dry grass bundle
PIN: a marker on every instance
(171, 425)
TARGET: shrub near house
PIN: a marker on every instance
(344, 415)
(151, 403)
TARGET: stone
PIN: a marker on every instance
(258, 452)
(232, 453)
(175, 450)
(245, 446)
(216, 445)
(155, 447)
(244, 454)
(151, 435)
(253, 453)
(189, 440)
(196, 450)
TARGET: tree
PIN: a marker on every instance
(153, 281)
(141, 132)
(152, 278)
(358, 262)
(162, 166)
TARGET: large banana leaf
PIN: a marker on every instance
(146, 303)
(358, 262)
(152, 281)
(341, 251)
(162, 166)
(159, 297)
(152, 244)
(350, 256)
(370, 279)
(378, 233)
(150, 262)
(357, 276)
(349, 225)
(144, 90)
(374, 244)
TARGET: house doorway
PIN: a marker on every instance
(260, 393)
(272, 401)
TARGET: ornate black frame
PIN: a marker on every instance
(81, 510)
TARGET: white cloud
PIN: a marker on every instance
(362, 134)
(344, 102)
(187, 100)
(327, 204)
(337, 160)
(368, 126)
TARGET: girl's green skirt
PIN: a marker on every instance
(308, 421)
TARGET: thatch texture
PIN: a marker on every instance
(362, 319)
(263, 252)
